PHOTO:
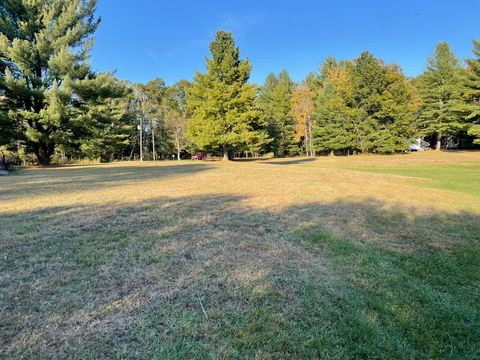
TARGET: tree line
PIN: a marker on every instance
(54, 107)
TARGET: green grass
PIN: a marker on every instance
(231, 261)
(464, 178)
(404, 305)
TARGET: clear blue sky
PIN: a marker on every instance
(144, 39)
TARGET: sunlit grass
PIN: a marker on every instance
(352, 257)
(463, 178)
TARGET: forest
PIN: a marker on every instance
(54, 108)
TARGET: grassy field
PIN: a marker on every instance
(352, 257)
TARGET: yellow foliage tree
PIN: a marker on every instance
(303, 105)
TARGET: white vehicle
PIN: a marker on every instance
(419, 145)
(452, 145)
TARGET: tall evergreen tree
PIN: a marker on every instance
(7, 130)
(43, 45)
(274, 101)
(364, 106)
(472, 93)
(102, 121)
(383, 94)
(335, 112)
(440, 88)
(221, 101)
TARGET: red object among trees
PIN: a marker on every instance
(199, 157)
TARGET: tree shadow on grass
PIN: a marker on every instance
(209, 276)
(247, 160)
(292, 161)
(90, 178)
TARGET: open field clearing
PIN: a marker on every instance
(352, 257)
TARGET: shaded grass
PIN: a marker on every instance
(107, 274)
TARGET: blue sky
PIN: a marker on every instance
(145, 39)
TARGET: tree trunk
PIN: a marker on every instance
(154, 156)
(177, 144)
(309, 139)
(307, 143)
(44, 153)
(226, 152)
(281, 146)
(312, 150)
(439, 142)
(141, 139)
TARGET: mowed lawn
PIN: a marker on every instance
(335, 257)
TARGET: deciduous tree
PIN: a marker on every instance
(150, 116)
(302, 109)
(176, 115)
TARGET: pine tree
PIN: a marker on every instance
(274, 101)
(7, 130)
(363, 106)
(440, 88)
(472, 94)
(382, 94)
(103, 121)
(221, 101)
(335, 113)
(44, 44)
